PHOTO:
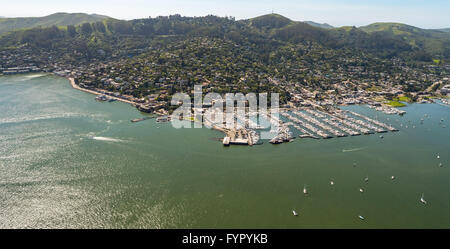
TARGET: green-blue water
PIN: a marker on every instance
(67, 161)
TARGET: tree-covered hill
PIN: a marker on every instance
(434, 42)
(57, 19)
(267, 33)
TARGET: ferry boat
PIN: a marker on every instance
(162, 119)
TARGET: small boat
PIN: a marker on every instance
(362, 218)
(101, 98)
(381, 136)
(304, 190)
(137, 120)
(392, 177)
(366, 179)
(423, 200)
(440, 164)
(294, 213)
(438, 157)
(332, 182)
(361, 190)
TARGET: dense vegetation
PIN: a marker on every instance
(57, 19)
(386, 40)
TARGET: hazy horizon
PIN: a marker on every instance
(424, 14)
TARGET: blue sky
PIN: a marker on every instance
(420, 13)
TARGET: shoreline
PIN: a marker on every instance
(75, 86)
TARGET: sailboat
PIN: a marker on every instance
(423, 200)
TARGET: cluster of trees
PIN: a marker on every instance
(265, 32)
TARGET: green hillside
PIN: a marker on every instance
(57, 19)
(386, 40)
(432, 41)
(270, 21)
(320, 25)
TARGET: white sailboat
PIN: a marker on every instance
(423, 200)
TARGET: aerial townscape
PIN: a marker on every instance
(145, 61)
(216, 121)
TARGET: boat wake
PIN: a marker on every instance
(29, 77)
(351, 150)
(109, 139)
(35, 75)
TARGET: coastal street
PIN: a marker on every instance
(75, 86)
